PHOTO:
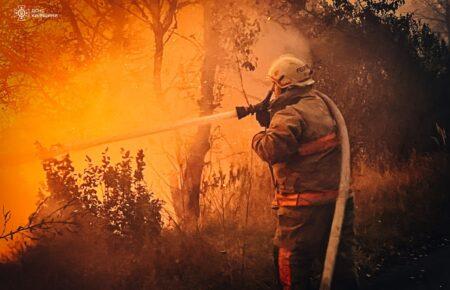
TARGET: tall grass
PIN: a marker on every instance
(232, 249)
(400, 208)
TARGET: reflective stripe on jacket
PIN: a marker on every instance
(302, 146)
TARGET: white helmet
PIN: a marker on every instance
(288, 70)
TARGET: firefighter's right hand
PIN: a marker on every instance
(263, 118)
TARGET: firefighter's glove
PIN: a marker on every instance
(263, 118)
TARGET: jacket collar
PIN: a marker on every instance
(289, 97)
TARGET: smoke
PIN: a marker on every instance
(110, 96)
(114, 96)
(273, 42)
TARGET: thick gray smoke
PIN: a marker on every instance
(274, 41)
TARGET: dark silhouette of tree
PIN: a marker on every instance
(31, 63)
(23, 61)
(228, 38)
(386, 71)
(67, 11)
(161, 17)
(436, 13)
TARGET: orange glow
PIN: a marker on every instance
(114, 94)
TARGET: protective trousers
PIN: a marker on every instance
(300, 245)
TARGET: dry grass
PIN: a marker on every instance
(233, 248)
(400, 208)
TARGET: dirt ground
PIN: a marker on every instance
(419, 271)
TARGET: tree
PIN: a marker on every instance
(31, 63)
(160, 16)
(365, 52)
(435, 12)
(186, 194)
(228, 37)
(24, 62)
(70, 15)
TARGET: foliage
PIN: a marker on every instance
(114, 194)
(25, 64)
(381, 17)
(118, 245)
(386, 71)
(239, 30)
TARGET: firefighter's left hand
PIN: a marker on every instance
(263, 118)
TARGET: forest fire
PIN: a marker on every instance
(140, 149)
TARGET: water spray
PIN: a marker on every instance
(239, 113)
(56, 150)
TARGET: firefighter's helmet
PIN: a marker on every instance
(288, 70)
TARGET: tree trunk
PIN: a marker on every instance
(187, 199)
(68, 12)
(119, 20)
(157, 60)
(447, 21)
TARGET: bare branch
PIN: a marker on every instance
(6, 218)
(169, 17)
(75, 27)
(46, 223)
(244, 93)
(144, 15)
(190, 39)
(183, 4)
(175, 26)
(144, 18)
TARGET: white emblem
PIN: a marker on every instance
(21, 12)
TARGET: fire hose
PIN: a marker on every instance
(341, 202)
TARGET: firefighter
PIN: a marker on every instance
(301, 145)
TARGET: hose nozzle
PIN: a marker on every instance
(243, 112)
(264, 105)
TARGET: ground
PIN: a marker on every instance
(418, 271)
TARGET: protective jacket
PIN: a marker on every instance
(301, 144)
